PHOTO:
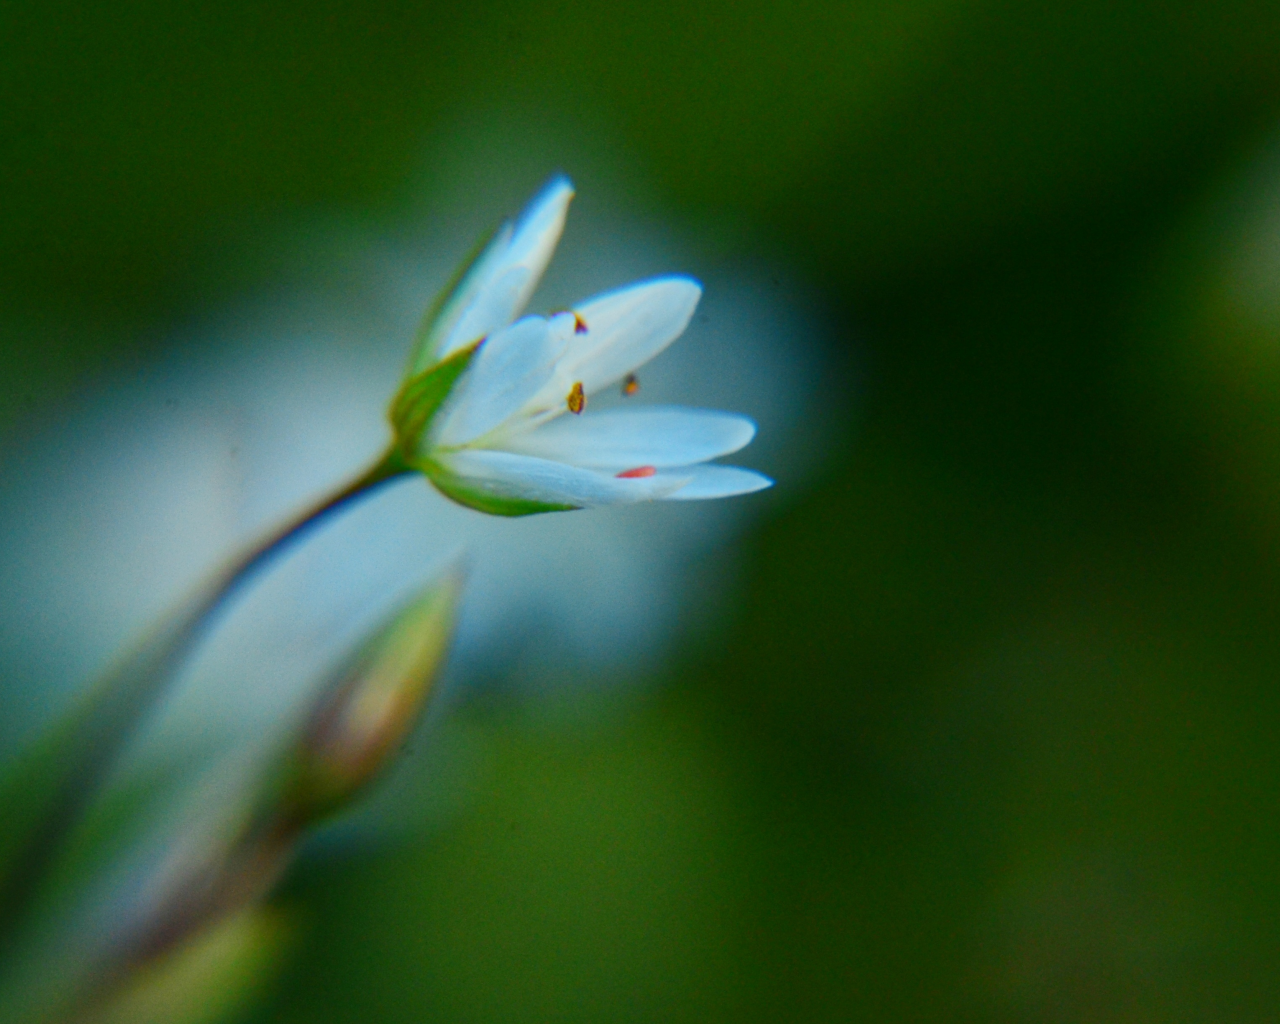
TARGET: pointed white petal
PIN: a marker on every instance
(492, 308)
(621, 439)
(508, 475)
(539, 228)
(627, 328)
(716, 482)
(499, 287)
(510, 366)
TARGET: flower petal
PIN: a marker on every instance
(539, 227)
(492, 308)
(509, 367)
(627, 328)
(522, 477)
(500, 284)
(709, 481)
(621, 439)
(443, 313)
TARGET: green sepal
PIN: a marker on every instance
(421, 396)
(474, 494)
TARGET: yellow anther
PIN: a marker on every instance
(577, 400)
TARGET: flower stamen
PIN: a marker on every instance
(639, 473)
(630, 385)
(579, 325)
(577, 399)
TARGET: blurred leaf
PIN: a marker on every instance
(211, 978)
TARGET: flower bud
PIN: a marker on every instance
(365, 714)
(243, 833)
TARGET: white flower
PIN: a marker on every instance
(482, 412)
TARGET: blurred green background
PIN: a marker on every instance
(990, 730)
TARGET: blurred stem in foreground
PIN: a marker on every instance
(45, 790)
(211, 978)
(356, 725)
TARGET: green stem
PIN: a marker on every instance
(58, 778)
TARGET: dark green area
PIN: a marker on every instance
(992, 731)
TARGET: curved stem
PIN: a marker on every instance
(67, 767)
(227, 583)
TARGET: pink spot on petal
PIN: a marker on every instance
(637, 473)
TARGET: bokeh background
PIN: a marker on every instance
(984, 725)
